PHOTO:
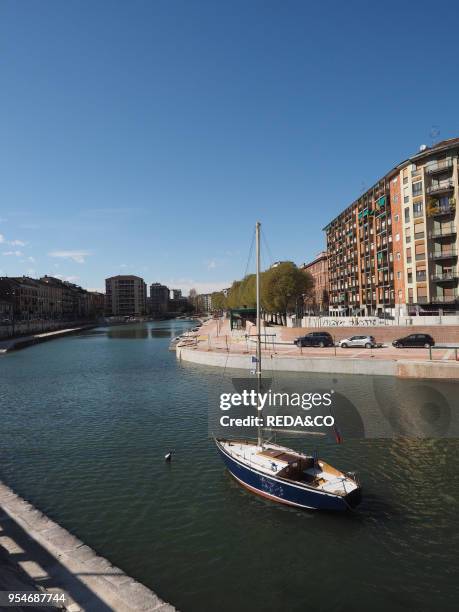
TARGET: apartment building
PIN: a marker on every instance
(429, 240)
(48, 298)
(394, 250)
(125, 295)
(159, 298)
(318, 269)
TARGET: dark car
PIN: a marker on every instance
(315, 339)
(414, 340)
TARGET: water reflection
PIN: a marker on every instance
(137, 332)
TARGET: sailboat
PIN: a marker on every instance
(279, 473)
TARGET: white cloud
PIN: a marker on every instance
(70, 279)
(13, 253)
(30, 272)
(2, 238)
(212, 264)
(77, 256)
(16, 243)
(32, 259)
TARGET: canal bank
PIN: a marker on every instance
(41, 555)
(15, 344)
(217, 345)
(422, 369)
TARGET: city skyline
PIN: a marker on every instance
(142, 157)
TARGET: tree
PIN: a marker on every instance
(283, 287)
(218, 300)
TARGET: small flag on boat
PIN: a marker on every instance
(254, 359)
(338, 436)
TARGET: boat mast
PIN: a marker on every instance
(258, 370)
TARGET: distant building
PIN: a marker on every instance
(278, 263)
(125, 295)
(318, 269)
(205, 302)
(159, 298)
(176, 294)
(48, 298)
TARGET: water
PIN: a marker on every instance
(86, 421)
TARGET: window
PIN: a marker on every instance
(397, 237)
(395, 198)
(417, 188)
(397, 218)
(410, 276)
(399, 257)
(420, 250)
(418, 209)
(405, 180)
(399, 275)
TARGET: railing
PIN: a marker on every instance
(445, 276)
(440, 166)
(445, 254)
(449, 230)
(442, 186)
(438, 211)
(444, 299)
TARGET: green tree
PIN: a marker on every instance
(218, 300)
(284, 287)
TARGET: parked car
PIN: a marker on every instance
(363, 341)
(414, 340)
(315, 339)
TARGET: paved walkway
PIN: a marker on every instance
(216, 336)
(36, 553)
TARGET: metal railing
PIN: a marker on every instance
(442, 186)
(440, 166)
(445, 276)
(444, 299)
(449, 230)
(445, 254)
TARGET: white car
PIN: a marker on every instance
(356, 341)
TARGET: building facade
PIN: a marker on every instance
(125, 296)
(318, 269)
(159, 298)
(394, 250)
(48, 298)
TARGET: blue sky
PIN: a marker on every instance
(148, 137)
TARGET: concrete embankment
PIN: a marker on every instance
(402, 368)
(14, 344)
(53, 560)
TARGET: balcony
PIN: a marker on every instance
(442, 186)
(440, 166)
(450, 275)
(448, 230)
(435, 208)
(444, 299)
(445, 254)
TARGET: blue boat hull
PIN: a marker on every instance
(284, 492)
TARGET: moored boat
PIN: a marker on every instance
(279, 473)
(286, 476)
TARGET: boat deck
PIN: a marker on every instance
(275, 460)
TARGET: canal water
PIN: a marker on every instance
(85, 422)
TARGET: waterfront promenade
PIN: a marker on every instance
(215, 344)
(37, 554)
